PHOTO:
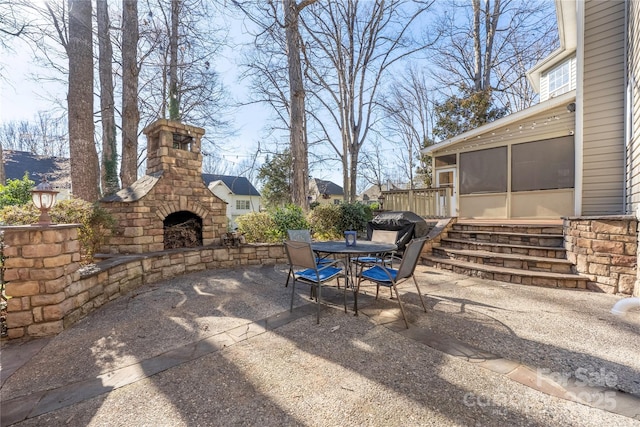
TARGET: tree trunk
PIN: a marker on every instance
(2, 176)
(477, 47)
(297, 124)
(109, 170)
(85, 168)
(130, 112)
(174, 99)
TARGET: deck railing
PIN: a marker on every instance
(426, 202)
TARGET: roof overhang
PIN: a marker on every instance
(550, 104)
(568, 34)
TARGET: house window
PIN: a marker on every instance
(543, 165)
(243, 205)
(483, 171)
(559, 80)
(336, 201)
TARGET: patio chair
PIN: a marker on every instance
(391, 278)
(382, 236)
(303, 236)
(300, 254)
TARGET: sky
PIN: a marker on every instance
(21, 98)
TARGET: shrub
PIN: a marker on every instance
(354, 216)
(290, 217)
(95, 222)
(258, 227)
(324, 221)
(16, 192)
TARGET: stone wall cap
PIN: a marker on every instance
(601, 217)
(38, 227)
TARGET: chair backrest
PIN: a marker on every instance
(410, 258)
(299, 235)
(384, 236)
(300, 254)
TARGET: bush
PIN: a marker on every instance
(354, 216)
(324, 221)
(258, 227)
(95, 222)
(16, 192)
(290, 217)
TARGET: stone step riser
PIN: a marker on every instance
(511, 278)
(559, 253)
(529, 240)
(556, 230)
(551, 267)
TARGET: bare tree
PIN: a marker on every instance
(409, 117)
(298, 120)
(130, 111)
(276, 65)
(353, 48)
(109, 167)
(488, 45)
(84, 158)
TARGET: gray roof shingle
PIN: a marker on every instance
(238, 184)
(55, 169)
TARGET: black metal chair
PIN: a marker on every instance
(391, 278)
(300, 254)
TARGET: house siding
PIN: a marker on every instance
(603, 114)
(633, 156)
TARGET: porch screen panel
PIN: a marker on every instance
(483, 171)
(543, 165)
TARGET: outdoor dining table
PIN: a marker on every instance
(361, 247)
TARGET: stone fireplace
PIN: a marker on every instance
(170, 206)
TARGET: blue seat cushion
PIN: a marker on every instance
(377, 274)
(369, 259)
(325, 274)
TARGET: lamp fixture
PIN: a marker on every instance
(43, 197)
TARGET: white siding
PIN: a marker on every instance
(633, 153)
(603, 108)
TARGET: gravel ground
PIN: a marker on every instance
(347, 371)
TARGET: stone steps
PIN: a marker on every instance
(528, 254)
(523, 262)
(511, 275)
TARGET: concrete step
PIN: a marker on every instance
(504, 248)
(510, 275)
(523, 262)
(527, 239)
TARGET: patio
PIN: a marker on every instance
(219, 347)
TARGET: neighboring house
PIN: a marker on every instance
(55, 169)
(371, 194)
(237, 191)
(325, 192)
(577, 152)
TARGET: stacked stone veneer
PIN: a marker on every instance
(48, 293)
(41, 266)
(605, 249)
(173, 183)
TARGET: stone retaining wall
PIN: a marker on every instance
(605, 249)
(49, 292)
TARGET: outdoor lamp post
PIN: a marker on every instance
(44, 197)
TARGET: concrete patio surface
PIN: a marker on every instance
(220, 348)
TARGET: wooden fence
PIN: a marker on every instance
(426, 202)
